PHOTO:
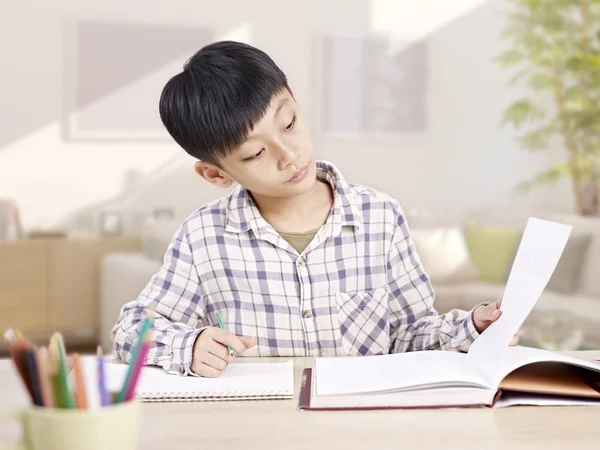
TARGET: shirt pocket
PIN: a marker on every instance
(364, 321)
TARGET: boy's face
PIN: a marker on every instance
(277, 159)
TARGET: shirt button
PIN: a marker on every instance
(301, 260)
(181, 368)
(307, 314)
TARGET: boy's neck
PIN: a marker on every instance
(304, 212)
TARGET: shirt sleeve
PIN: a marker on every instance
(172, 298)
(414, 322)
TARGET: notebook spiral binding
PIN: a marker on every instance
(206, 396)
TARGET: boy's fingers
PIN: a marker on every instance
(219, 350)
(489, 312)
(226, 338)
(205, 370)
(249, 342)
(213, 361)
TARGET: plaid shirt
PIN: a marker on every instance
(357, 289)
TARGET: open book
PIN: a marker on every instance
(492, 373)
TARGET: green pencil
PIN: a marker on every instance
(61, 381)
(231, 351)
(134, 356)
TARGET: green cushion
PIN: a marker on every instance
(492, 250)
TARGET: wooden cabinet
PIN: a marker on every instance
(53, 285)
(23, 286)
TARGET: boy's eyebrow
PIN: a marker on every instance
(281, 104)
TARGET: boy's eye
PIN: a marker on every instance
(258, 155)
(291, 125)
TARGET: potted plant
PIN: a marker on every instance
(555, 51)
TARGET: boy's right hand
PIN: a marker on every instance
(210, 355)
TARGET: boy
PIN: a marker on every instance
(296, 260)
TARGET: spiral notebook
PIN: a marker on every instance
(239, 381)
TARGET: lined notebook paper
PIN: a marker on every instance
(239, 381)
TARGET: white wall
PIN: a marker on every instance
(49, 177)
(464, 161)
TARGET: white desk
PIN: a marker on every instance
(279, 425)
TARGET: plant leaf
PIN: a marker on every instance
(521, 111)
(510, 58)
(540, 81)
(539, 139)
(550, 176)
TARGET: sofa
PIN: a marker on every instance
(468, 258)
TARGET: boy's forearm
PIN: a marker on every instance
(454, 330)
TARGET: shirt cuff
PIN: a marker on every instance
(183, 349)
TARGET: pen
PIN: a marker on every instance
(231, 352)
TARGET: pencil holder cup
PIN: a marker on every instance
(111, 427)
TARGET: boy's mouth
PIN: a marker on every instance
(299, 175)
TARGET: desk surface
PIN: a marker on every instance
(278, 424)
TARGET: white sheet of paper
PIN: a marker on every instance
(540, 250)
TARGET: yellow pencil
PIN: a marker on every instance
(43, 363)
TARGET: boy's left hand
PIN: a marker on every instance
(484, 316)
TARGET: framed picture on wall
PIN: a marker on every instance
(115, 72)
(370, 85)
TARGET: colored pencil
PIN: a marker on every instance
(79, 385)
(63, 370)
(44, 374)
(14, 343)
(30, 357)
(145, 327)
(57, 389)
(130, 394)
(60, 378)
(104, 395)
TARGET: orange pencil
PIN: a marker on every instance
(80, 393)
(43, 364)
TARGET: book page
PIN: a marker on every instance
(412, 370)
(549, 378)
(525, 399)
(538, 254)
(516, 357)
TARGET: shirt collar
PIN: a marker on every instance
(243, 215)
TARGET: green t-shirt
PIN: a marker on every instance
(299, 240)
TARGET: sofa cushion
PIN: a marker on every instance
(590, 280)
(465, 295)
(567, 274)
(444, 255)
(492, 250)
(582, 308)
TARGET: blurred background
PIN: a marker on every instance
(474, 114)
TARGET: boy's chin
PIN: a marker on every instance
(294, 190)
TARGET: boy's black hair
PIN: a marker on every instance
(224, 89)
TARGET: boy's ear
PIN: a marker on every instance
(213, 174)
